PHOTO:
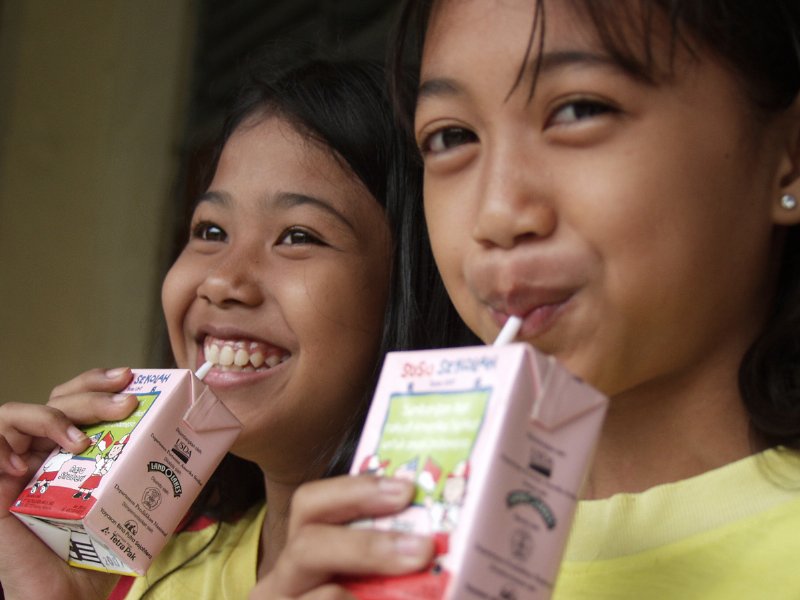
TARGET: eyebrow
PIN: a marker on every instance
(550, 61)
(292, 199)
(284, 200)
(438, 87)
(563, 58)
(217, 198)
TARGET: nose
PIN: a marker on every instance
(232, 279)
(514, 203)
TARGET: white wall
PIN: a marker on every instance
(92, 96)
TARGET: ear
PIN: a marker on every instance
(786, 204)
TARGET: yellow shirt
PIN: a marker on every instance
(226, 570)
(727, 534)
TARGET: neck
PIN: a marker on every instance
(279, 492)
(281, 480)
(273, 532)
(669, 431)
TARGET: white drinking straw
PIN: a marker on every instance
(203, 370)
(508, 332)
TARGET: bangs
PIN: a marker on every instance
(638, 36)
(756, 40)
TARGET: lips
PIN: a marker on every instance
(527, 302)
(534, 286)
(539, 319)
(537, 314)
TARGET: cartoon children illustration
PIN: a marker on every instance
(427, 481)
(407, 470)
(453, 492)
(373, 465)
(50, 470)
(53, 465)
(429, 478)
(103, 464)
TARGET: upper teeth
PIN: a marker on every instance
(237, 354)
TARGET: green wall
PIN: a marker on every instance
(92, 96)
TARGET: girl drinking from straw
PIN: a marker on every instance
(624, 177)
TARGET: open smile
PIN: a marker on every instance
(242, 354)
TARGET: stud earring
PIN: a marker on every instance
(788, 202)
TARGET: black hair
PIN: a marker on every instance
(759, 40)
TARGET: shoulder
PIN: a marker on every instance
(730, 533)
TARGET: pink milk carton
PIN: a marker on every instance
(498, 440)
(114, 506)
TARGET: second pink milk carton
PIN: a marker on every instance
(114, 506)
(498, 440)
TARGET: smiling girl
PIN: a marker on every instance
(624, 176)
(289, 285)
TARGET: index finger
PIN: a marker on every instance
(94, 380)
(347, 498)
(20, 423)
(321, 554)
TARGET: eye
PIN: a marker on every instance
(209, 232)
(580, 110)
(447, 138)
(295, 236)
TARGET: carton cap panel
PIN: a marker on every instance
(208, 414)
(561, 396)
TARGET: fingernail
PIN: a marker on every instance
(75, 434)
(114, 373)
(394, 488)
(17, 462)
(410, 545)
(120, 397)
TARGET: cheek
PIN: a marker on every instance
(367, 284)
(341, 307)
(177, 292)
(338, 323)
(449, 226)
(368, 289)
(447, 229)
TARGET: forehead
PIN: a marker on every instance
(474, 23)
(266, 133)
(270, 150)
(268, 163)
(637, 36)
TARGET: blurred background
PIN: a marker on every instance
(108, 110)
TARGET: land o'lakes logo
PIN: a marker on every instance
(523, 497)
(168, 473)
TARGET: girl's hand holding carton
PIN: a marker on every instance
(498, 441)
(28, 433)
(113, 506)
(494, 441)
(319, 509)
